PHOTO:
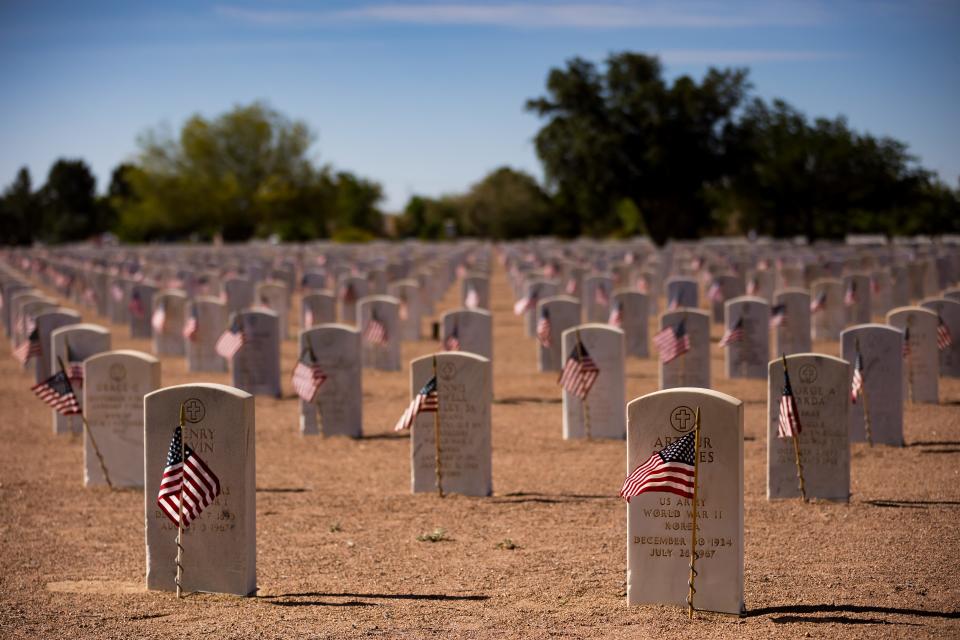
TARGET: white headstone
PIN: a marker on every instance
(75, 343)
(792, 335)
(682, 292)
(409, 313)
(949, 313)
(473, 328)
(141, 309)
(604, 403)
(239, 294)
(169, 341)
(336, 348)
(856, 298)
(692, 369)
(881, 347)
(316, 308)
(748, 357)
(922, 365)
(256, 366)
(276, 297)
(211, 318)
(633, 309)
(47, 323)
(828, 321)
(384, 356)
(562, 312)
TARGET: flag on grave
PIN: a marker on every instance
(307, 380)
(944, 339)
(544, 329)
(159, 318)
(472, 299)
(452, 341)
(191, 328)
(752, 287)
(789, 421)
(308, 317)
(616, 314)
(29, 348)
(188, 477)
(734, 334)
(668, 471)
(600, 295)
(57, 392)
(778, 315)
(136, 308)
(579, 372)
(526, 303)
(375, 332)
(571, 287)
(427, 400)
(819, 303)
(856, 386)
(850, 295)
(672, 342)
(231, 340)
(715, 292)
(116, 292)
(74, 367)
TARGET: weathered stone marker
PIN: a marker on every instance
(881, 347)
(692, 369)
(922, 364)
(604, 403)
(73, 344)
(256, 366)
(336, 348)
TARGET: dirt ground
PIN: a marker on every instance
(338, 554)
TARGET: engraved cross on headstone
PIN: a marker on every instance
(682, 416)
(194, 410)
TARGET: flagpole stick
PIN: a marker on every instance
(866, 409)
(183, 462)
(89, 433)
(583, 402)
(796, 444)
(436, 434)
(693, 517)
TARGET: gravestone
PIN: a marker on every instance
(922, 365)
(605, 402)
(349, 291)
(856, 299)
(900, 286)
(692, 369)
(28, 308)
(474, 329)
(9, 290)
(792, 334)
(47, 323)
(276, 297)
(169, 341)
(313, 281)
(821, 386)
(952, 294)
(540, 290)
(464, 394)
(118, 299)
(141, 309)
(682, 292)
(409, 313)
(658, 524)
(115, 385)
(319, 307)
(596, 298)
(731, 287)
(336, 348)
(760, 283)
(256, 366)
(480, 286)
(239, 293)
(211, 319)
(220, 548)
(881, 348)
(828, 320)
(948, 312)
(562, 312)
(385, 355)
(75, 343)
(633, 308)
(880, 292)
(748, 357)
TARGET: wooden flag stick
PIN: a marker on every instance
(89, 432)
(584, 403)
(796, 442)
(693, 517)
(863, 396)
(183, 461)
(436, 434)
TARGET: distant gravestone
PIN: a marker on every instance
(682, 292)
(538, 290)
(748, 357)
(760, 283)
(881, 347)
(821, 386)
(792, 332)
(220, 552)
(169, 340)
(239, 294)
(658, 524)
(827, 310)
(562, 313)
(118, 299)
(141, 310)
(276, 297)
(730, 286)
(349, 290)
(339, 402)
(597, 296)
(692, 369)
(256, 366)
(880, 292)
(464, 395)
(385, 353)
(409, 313)
(47, 323)
(319, 307)
(475, 292)
(73, 344)
(856, 299)
(922, 364)
(211, 319)
(605, 402)
(473, 328)
(115, 384)
(948, 312)
(634, 317)
(900, 286)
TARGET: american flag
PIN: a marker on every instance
(90, 296)
(159, 318)
(715, 292)
(29, 348)
(668, 471)
(57, 392)
(136, 307)
(579, 372)
(375, 332)
(944, 339)
(526, 303)
(850, 295)
(199, 486)
(616, 314)
(672, 342)
(191, 328)
(906, 342)
(307, 380)
(308, 317)
(544, 328)
(452, 341)
(856, 386)
(819, 303)
(601, 296)
(231, 340)
(675, 302)
(752, 287)
(571, 287)
(116, 292)
(74, 367)
(789, 422)
(427, 400)
(734, 334)
(778, 315)
(642, 285)
(472, 299)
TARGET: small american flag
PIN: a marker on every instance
(544, 328)
(231, 340)
(375, 332)
(159, 318)
(856, 386)
(57, 392)
(601, 296)
(452, 341)
(191, 328)
(307, 380)
(906, 342)
(850, 295)
(778, 315)
(526, 303)
(136, 307)
(819, 303)
(616, 314)
(944, 339)
(579, 372)
(427, 400)
(199, 486)
(29, 348)
(571, 286)
(789, 422)
(472, 299)
(116, 292)
(668, 471)
(672, 342)
(715, 292)
(734, 334)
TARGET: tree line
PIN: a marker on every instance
(624, 152)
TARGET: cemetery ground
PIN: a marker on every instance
(344, 549)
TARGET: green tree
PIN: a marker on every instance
(505, 204)
(68, 201)
(19, 210)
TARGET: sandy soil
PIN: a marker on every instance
(338, 554)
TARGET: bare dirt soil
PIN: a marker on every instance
(338, 554)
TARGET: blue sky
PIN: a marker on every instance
(427, 97)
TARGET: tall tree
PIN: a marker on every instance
(19, 210)
(70, 210)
